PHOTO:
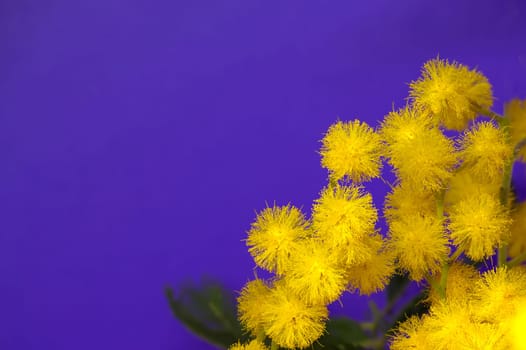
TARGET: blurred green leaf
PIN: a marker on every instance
(209, 311)
(396, 286)
(415, 307)
(342, 334)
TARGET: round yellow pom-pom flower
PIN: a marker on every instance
(485, 151)
(405, 199)
(275, 236)
(253, 345)
(315, 274)
(518, 325)
(343, 217)
(499, 293)
(420, 154)
(289, 321)
(251, 303)
(420, 244)
(461, 280)
(464, 185)
(518, 231)
(374, 274)
(451, 92)
(351, 149)
(515, 111)
(478, 225)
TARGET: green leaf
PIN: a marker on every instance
(341, 334)
(209, 311)
(396, 286)
(415, 307)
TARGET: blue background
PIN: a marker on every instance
(138, 138)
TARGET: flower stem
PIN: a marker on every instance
(519, 259)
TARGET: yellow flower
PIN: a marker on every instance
(515, 111)
(275, 236)
(289, 321)
(499, 293)
(518, 325)
(405, 199)
(464, 185)
(518, 231)
(420, 154)
(253, 345)
(344, 217)
(451, 92)
(315, 274)
(351, 149)
(410, 335)
(461, 279)
(251, 303)
(485, 151)
(478, 225)
(374, 274)
(420, 244)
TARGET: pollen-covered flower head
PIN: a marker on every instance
(460, 283)
(420, 154)
(343, 216)
(251, 303)
(419, 243)
(374, 274)
(515, 111)
(478, 225)
(406, 199)
(465, 184)
(274, 236)
(485, 151)
(518, 231)
(499, 293)
(253, 345)
(289, 321)
(315, 274)
(451, 92)
(351, 150)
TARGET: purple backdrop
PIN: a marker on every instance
(137, 138)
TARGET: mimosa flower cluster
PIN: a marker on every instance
(450, 207)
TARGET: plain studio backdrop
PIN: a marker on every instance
(138, 138)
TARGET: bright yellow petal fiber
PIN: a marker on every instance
(518, 231)
(374, 274)
(464, 185)
(253, 345)
(411, 335)
(289, 321)
(451, 325)
(275, 236)
(420, 244)
(421, 155)
(315, 275)
(351, 149)
(515, 110)
(518, 325)
(405, 199)
(343, 214)
(251, 303)
(485, 151)
(451, 93)
(461, 279)
(499, 293)
(478, 225)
